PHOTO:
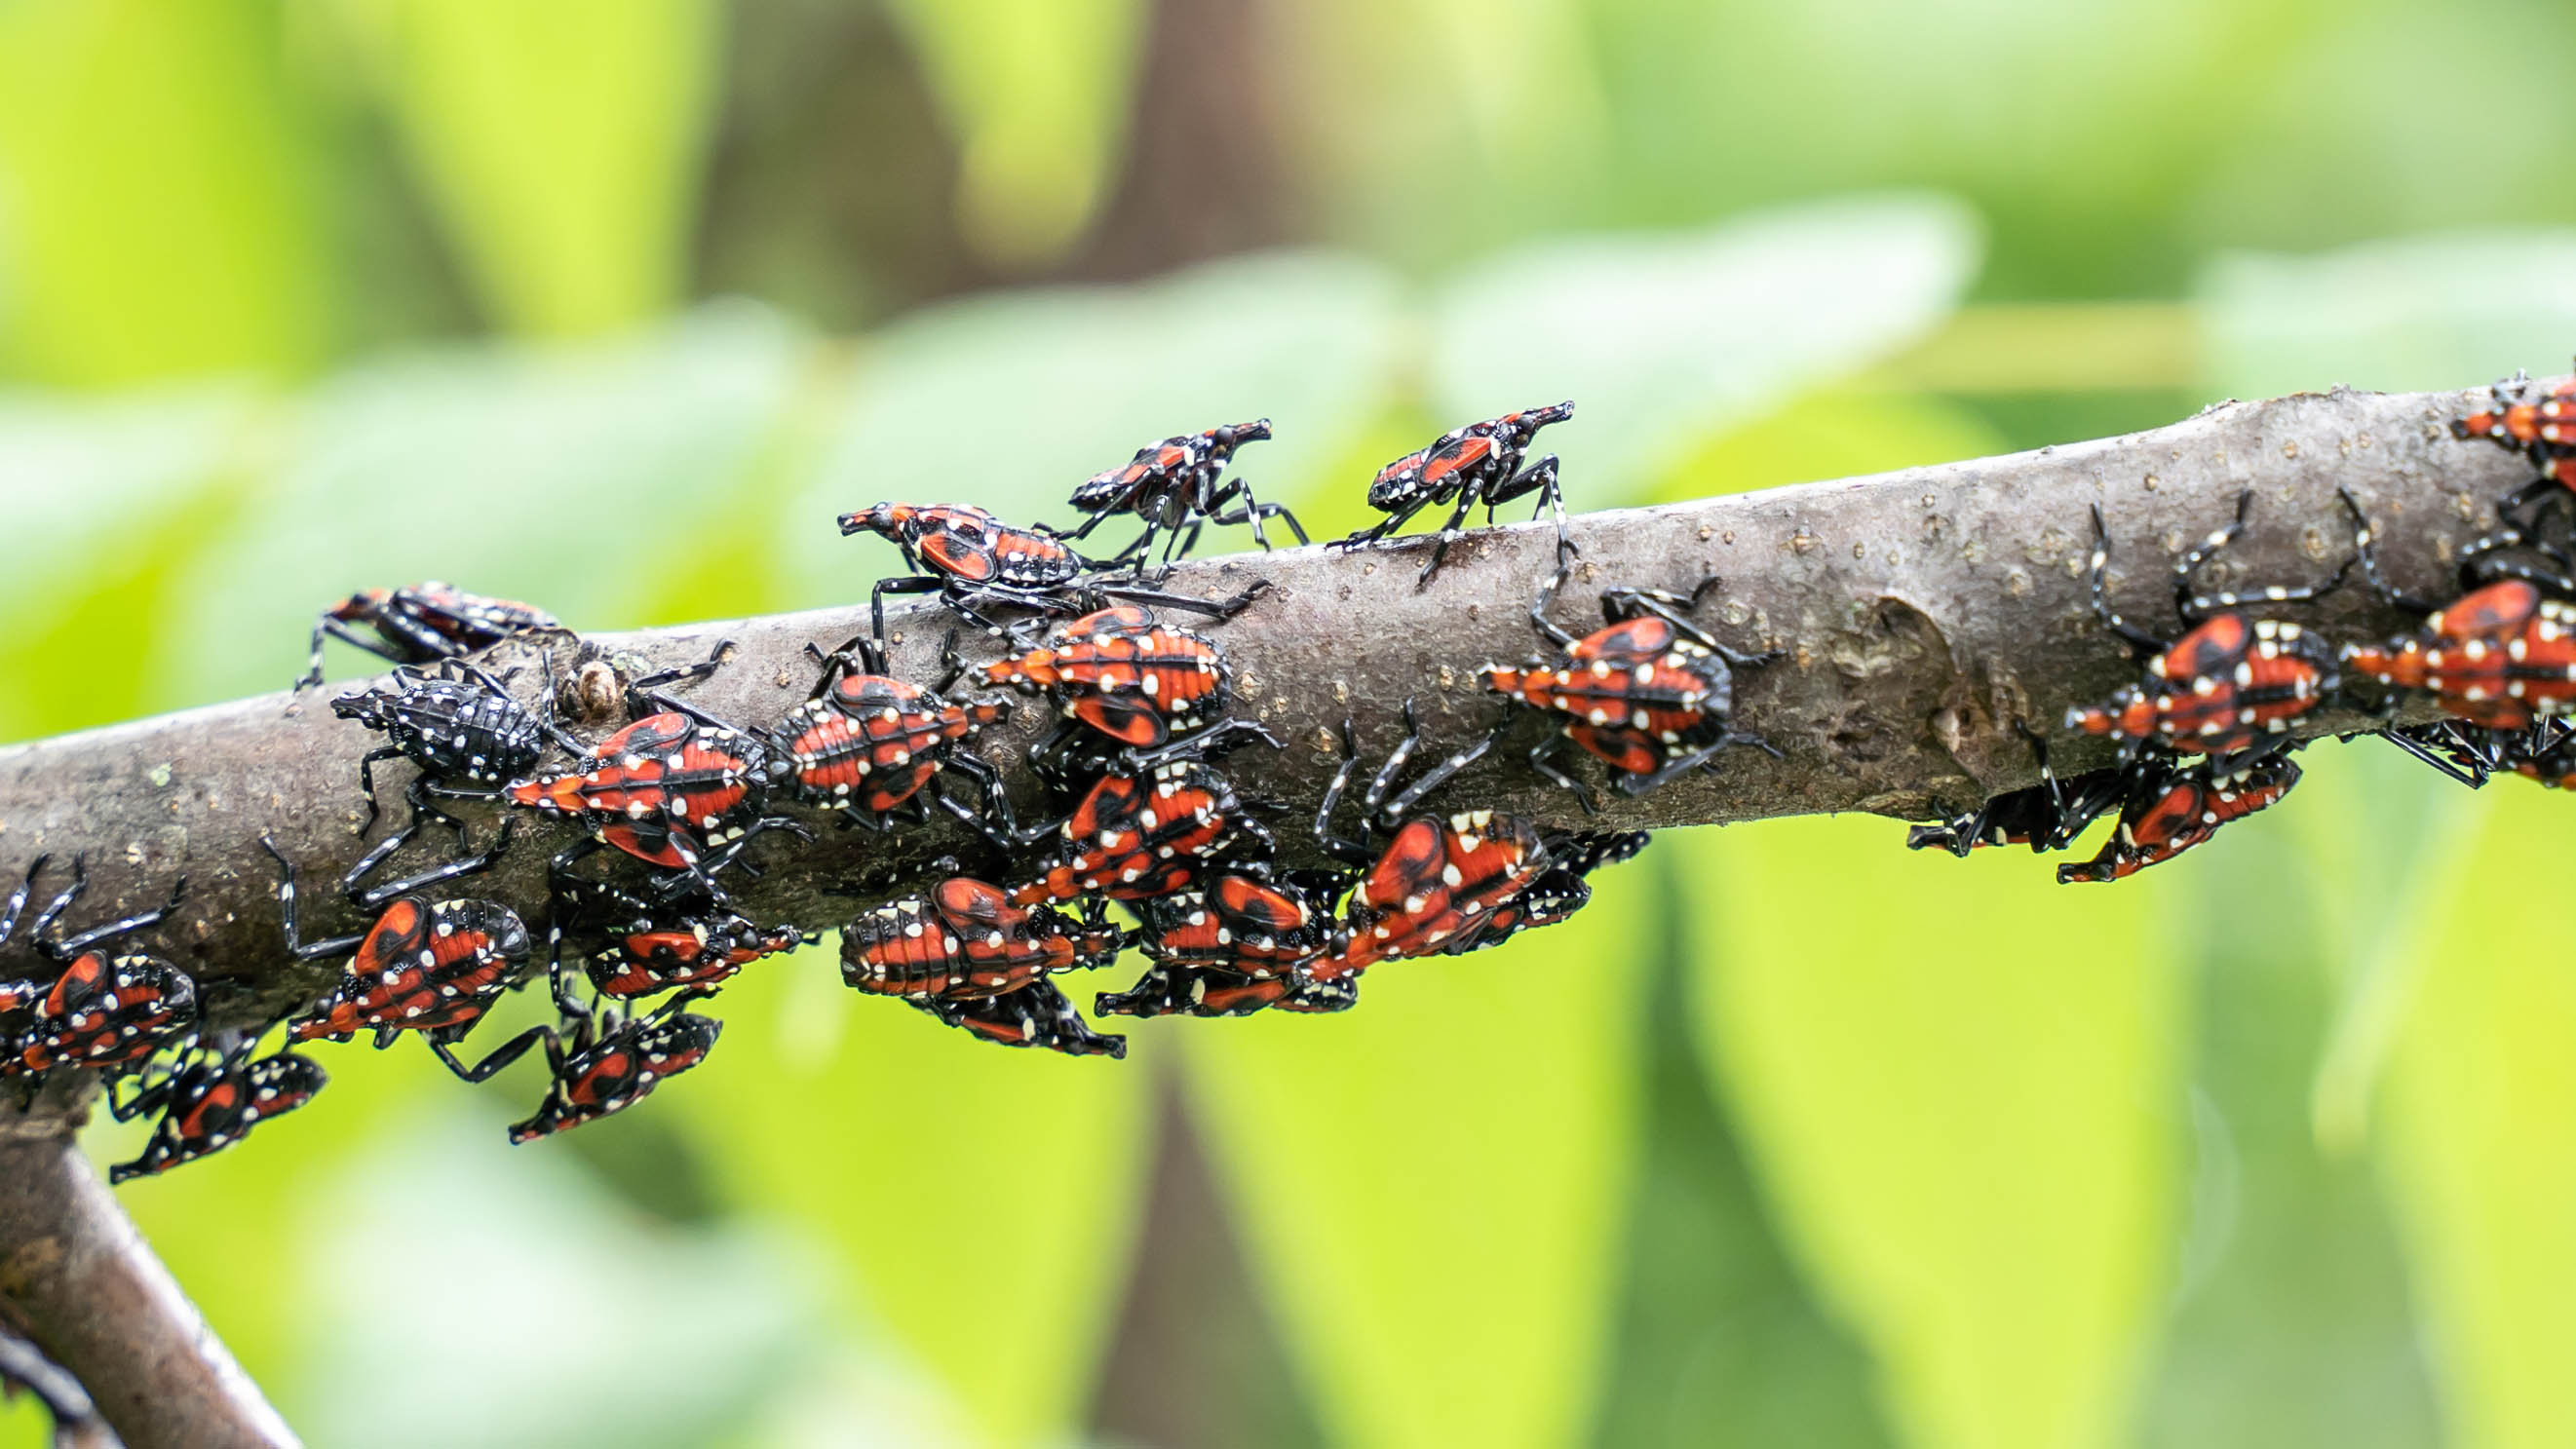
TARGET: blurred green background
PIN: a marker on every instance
(610, 304)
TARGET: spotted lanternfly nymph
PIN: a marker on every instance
(2170, 808)
(458, 726)
(1650, 693)
(2230, 685)
(965, 939)
(1477, 464)
(1146, 827)
(1174, 487)
(968, 956)
(867, 743)
(1124, 673)
(102, 1012)
(633, 948)
(2537, 420)
(2046, 816)
(1436, 880)
(1234, 945)
(611, 1064)
(2500, 657)
(209, 1100)
(421, 624)
(678, 789)
(432, 967)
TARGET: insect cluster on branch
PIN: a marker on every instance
(1138, 840)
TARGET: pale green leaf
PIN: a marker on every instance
(981, 1202)
(157, 214)
(1432, 1185)
(585, 480)
(2479, 1128)
(2421, 313)
(535, 1309)
(1007, 402)
(1036, 93)
(2290, 1273)
(1662, 338)
(1963, 1098)
(560, 143)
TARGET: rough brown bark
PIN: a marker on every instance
(77, 1280)
(1922, 611)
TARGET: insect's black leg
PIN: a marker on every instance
(2189, 564)
(500, 1059)
(1543, 758)
(2364, 549)
(74, 945)
(367, 781)
(296, 945)
(375, 897)
(2140, 642)
(900, 584)
(1387, 525)
(62, 902)
(18, 899)
(1449, 534)
(1341, 847)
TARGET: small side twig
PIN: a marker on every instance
(79, 1283)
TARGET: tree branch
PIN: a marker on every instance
(1922, 612)
(78, 1282)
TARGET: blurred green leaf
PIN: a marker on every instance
(2479, 1128)
(1720, 1342)
(2418, 313)
(982, 1199)
(536, 1310)
(121, 492)
(1963, 1101)
(1432, 1185)
(1009, 401)
(585, 480)
(1036, 93)
(1663, 338)
(2291, 1321)
(157, 208)
(560, 143)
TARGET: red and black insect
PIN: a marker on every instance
(1124, 673)
(434, 967)
(678, 788)
(459, 726)
(1436, 880)
(1174, 487)
(1146, 826)
(2500, 657)
(2047, 816)
(210, 1099)
(100, 1011)
(1477, 464)
(1650, 693)
(2168, 808)
(1557, 892)
(1037, 1015)
(1235, 944)
(611, 1063)
(867, 743)
(421, 624)
(965, 939)
(2232, 684)
(966, 955)
(2537, 420)
(633, 948)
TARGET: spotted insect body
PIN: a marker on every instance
(1123, 673)
(2500, 657)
